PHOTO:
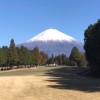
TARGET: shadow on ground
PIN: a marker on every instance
(74, 78)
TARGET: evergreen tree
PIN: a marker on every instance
(64, 59)
(59, 60)
(56, 60)
(52, 59)
(29, 57)
(13, 56)
(32, 58)
(2, 57)
(24, 56)
(83, 61)
(75, 56)
(5, 50)
(37, 56)
(92, 47)
(44, 58)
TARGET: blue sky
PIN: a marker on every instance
(23, 19)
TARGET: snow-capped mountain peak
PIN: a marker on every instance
(52, 41)
(52, 35)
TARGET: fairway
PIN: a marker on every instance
(28, 71)
(48, 83)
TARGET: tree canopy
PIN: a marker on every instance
(75, 55)
(13, 55)
(92, 47)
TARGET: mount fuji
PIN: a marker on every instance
(54, 42)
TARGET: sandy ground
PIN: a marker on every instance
(37, 88)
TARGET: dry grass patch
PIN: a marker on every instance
(36, 88)
(59, 84)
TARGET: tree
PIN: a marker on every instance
(44, 58)
(24, 56)
(5, 50)
(13, 56)
(2, 57)
(37, 56)
(32, 58)
(82, 62)
(51, 60)
(64, 59)
(59, 58)
(75, 56)
(92, 47)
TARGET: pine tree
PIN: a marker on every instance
(2, 57)
(37, 56)
(64, 59)
(75, 56)
(92, 47)
(5, 50)
(44, 58)
(32, 58)
(13, 56)
(52, 59)
(83, 61)
(56, 60)
(24, 56)
(59, 60)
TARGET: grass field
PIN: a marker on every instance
(28, 71)
(48, 83)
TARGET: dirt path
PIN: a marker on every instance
(37, 88)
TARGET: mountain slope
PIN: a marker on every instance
(54, 42)
(52, 35)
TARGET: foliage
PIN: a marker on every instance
(5, 50)
(24, 56)
(44, 58)
(82, 62)
(75, 56)
(92, 47)
(2, 57)
(37, 56)
(60, 60)
(13, 56)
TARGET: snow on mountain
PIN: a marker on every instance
(52, 35)
(54, 42)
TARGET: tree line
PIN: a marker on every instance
(14, 57)
(76, 58)
(19, 57)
